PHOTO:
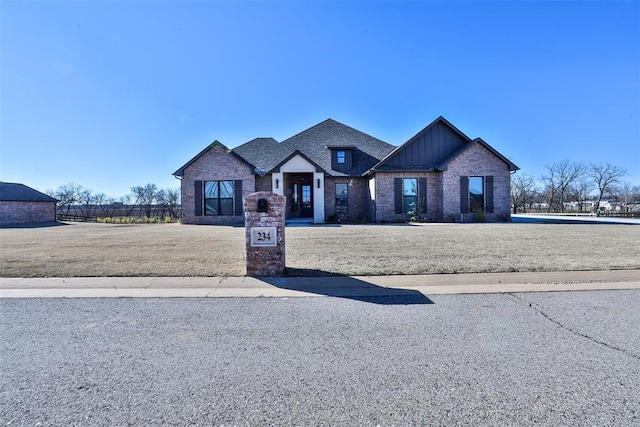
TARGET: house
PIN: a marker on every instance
(332, 171)
(20, 205)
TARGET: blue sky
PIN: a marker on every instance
(115, 94)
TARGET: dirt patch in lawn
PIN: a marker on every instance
(76, 250)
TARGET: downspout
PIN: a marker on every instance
(179, 178)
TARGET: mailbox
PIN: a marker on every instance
(264, 233)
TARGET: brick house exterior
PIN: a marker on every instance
(21, 205)
(333, 172)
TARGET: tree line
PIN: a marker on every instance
(146, 201)
(573, 186)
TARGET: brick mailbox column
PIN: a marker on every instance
(264, 231)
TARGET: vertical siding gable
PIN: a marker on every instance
(427, 149)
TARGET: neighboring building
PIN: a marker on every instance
(332, 171)
(20, 205)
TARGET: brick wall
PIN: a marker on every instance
(263, 183)
(358, 198)
(477, 161)
(16, 213)
(216, 164)
(265, 260)
(385, 199)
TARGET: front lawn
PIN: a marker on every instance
(80, 249)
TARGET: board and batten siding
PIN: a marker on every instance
(427, 149)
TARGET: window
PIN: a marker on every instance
(218, 198)
(342, 198)
(341, 158)
(476, 194)
(409, 195)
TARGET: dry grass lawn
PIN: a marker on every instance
(189, 250)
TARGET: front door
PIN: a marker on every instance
(301, 199)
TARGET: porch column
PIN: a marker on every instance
(318, 197)
(277, 183)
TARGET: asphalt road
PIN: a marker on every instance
(497, 359)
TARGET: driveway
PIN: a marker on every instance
(562, 358)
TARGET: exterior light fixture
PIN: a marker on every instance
(277, 183)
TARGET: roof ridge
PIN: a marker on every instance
(336, 122)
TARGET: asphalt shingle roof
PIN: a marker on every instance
(11, 192)
(263, 153)
(314, 141)
(317, 142)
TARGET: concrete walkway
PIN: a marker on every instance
(338, 286)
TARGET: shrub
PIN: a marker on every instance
(333, 218)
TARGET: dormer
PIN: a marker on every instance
(341, 157)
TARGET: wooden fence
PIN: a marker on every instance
(76, 218)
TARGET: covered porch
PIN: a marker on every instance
(302, 183)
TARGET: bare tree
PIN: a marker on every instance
(145, 198)
(173, 201)
(138, 196)
(86, 202)
(129, 203)
(162, 204)
(580, 191)
(558, 179)
(105, 204)
(67, 196)
(523, 190)
(149, 197)
(605, 177)
(168, 202)
(630, 194)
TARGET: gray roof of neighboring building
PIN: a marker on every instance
(11, 192)
(314, 141)
(263, 153)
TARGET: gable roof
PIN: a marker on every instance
(12, 192)
(291, 156)
(314, 143)
(216, 143)
(432, 149)
(445, 164)
(264, 153)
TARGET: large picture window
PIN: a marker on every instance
(476, 194)
(409, 195)
(342, 198)
(218, 198)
